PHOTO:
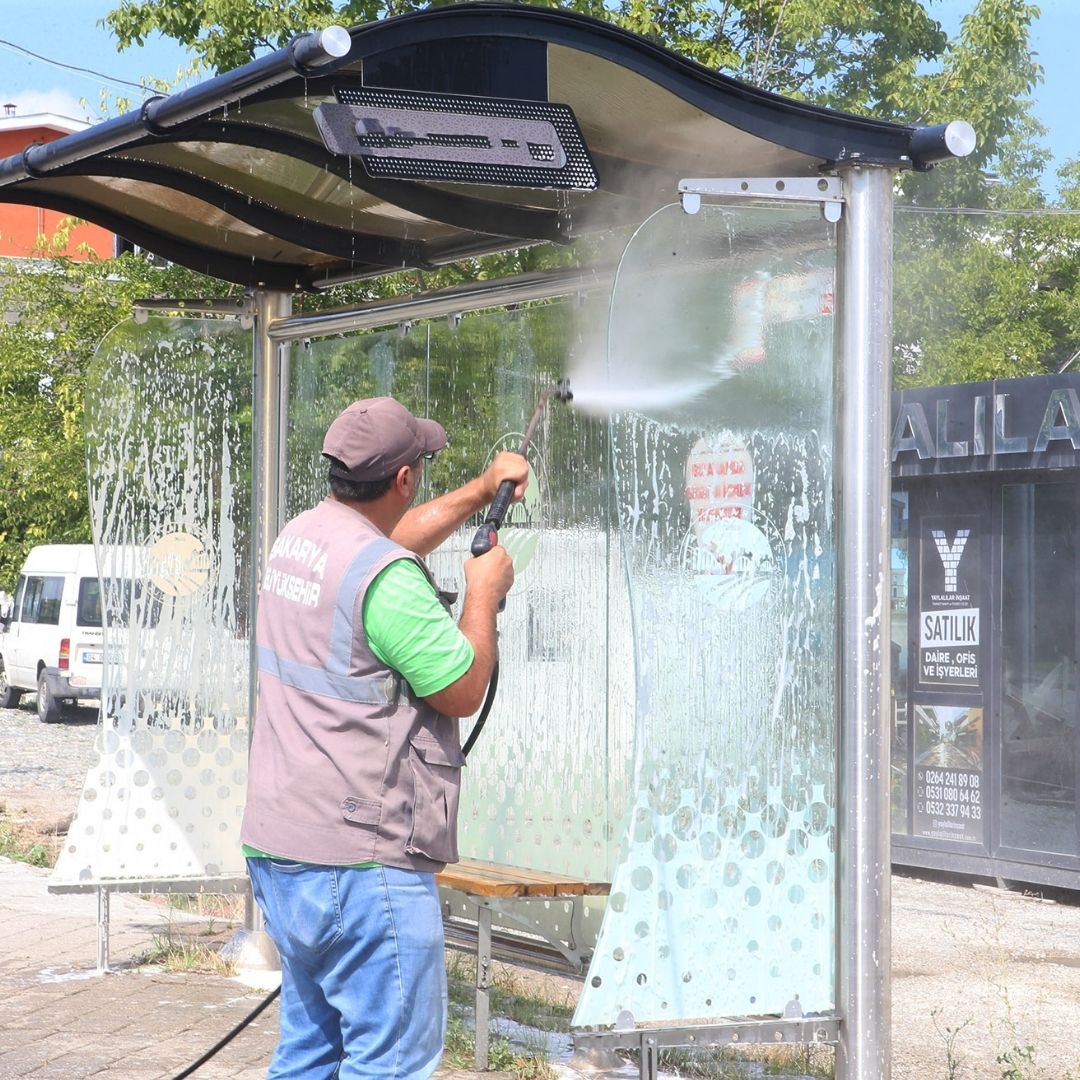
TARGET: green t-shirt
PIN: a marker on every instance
(410, 631)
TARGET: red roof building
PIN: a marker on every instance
(21, 227)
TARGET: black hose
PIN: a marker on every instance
(226, 1039)
(481, 719)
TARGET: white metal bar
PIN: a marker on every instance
(864, 291)
(103, 928)
(474, 296)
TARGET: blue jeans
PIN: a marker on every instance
(363, 974)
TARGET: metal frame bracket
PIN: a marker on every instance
(242, 308)
(827, 190)
(649, 1041)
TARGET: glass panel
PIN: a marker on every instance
(1039, 656)
(977, 296)
(168, 412)
(88, 612)
(720, 350)
(900, 516)
(549, 774)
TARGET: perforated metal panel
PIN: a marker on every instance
(419, 136)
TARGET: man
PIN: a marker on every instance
(355, 759)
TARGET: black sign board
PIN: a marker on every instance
(1031, 423)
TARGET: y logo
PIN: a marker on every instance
(950, 555)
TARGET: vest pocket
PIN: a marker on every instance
(436, 770)
(366, 815)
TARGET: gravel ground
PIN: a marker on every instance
(978, 973)
(42, 766)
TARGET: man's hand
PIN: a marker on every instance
(488, 577)
(506, 466)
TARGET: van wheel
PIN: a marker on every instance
(9, 696)
(48, 708)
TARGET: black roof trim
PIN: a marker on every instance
(342, 244)
(248, 272)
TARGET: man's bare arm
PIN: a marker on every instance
(425, 527)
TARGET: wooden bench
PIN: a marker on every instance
(494, 887)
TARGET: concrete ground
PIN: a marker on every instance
(979, 974)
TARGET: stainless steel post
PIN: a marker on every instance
(269, 425)
(864, 291)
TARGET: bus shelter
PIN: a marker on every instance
(695, 692)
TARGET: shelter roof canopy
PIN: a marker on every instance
(234, 177)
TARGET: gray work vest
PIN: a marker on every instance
(347, 765)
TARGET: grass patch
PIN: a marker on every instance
(176, 954)
(750, 1062)
(226, 907)
(460, 1053)
(22, 843)
(509, 995)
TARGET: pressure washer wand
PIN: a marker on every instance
(487, 536)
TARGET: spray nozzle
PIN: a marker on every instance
(561, 391)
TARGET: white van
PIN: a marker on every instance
(51, 643)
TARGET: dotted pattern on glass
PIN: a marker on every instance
(720, 339)
(168, 462)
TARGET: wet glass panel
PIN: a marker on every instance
(978, 296)
(168, 415)
(1039, 657)
(898, 787)
(720, 359)
(548, 775)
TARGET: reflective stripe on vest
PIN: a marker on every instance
(369, 689)
(341, 634)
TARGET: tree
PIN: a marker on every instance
(830, 50)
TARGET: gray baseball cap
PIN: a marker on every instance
(373, 438)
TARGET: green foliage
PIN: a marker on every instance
(985, 296)
(1018, 1063)
(460, 1053)
(58, 311)
(843, 53)
(986, 76)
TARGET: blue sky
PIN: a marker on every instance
(66, 30)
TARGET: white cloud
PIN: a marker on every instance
(61, 102)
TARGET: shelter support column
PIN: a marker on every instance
(269, 428)
(864, 290)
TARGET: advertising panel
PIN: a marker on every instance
(950, 631)
(948, 772)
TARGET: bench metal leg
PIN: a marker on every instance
(483, 985)
(650, 1060)
(102, 929)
